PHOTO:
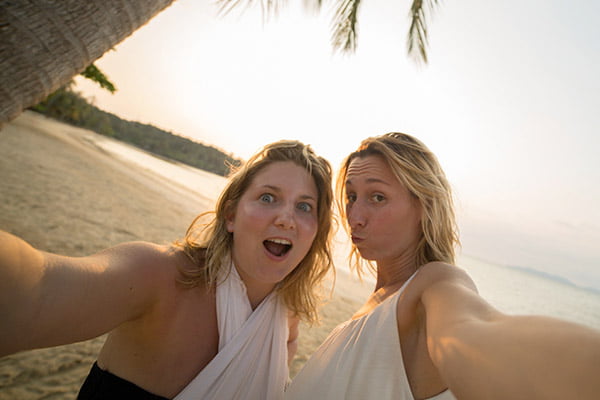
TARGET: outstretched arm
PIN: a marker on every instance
(48, 300)
(484, 354)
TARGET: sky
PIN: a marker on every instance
(508, 102)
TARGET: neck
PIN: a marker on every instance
(394, 272)
(256, 290)
(257, 294)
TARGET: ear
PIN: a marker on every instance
(229, 216)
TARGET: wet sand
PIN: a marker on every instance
(63, 193)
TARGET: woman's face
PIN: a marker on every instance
(274, 224)
(384, 217)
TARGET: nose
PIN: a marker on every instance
(285, 218)
(355, 215)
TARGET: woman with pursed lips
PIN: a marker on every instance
(425, 332)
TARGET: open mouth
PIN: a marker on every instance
(277, 247)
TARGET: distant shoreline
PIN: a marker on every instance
(552, 277)
(70, 107)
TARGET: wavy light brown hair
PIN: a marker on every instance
(419, 170)
(209, 243)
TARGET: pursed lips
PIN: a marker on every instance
(356, 239)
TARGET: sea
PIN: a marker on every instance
(511, 290)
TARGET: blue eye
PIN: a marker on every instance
(305, 207)
(267, 198)
(351, 197)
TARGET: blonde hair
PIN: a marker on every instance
(418, 169)
(209, 244)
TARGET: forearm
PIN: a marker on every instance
(522, 357)
(484, 354)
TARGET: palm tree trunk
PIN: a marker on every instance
(45, 43)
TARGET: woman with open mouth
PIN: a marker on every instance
(213, 316)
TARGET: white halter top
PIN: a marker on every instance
(361, 359)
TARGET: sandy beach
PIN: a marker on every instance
(63, 193)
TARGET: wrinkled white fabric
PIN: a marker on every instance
(252, 358)
(361, 359)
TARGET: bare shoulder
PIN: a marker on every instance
(146, 259)
(440, 273)
(144, 251)
(449, 294)
(140, 268)
(431, 277)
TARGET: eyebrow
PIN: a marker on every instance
(278, 189)
(370, 180)
(271, 187)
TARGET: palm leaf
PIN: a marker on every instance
(418, 40)
(268, 7)
(344, 25)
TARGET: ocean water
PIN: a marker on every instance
(518, 292)
(511, 291)
(202, 182)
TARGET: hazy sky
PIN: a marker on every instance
(509, 102)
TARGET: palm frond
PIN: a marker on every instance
(344, 26)
(268, 7)
(313, 5)
(344, 23)
(418, 40)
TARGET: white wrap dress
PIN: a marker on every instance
(252, 358)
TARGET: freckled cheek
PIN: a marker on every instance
(309, 227)
(255, 215)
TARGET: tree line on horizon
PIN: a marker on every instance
(70, 107)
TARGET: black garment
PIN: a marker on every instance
(101, 385)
